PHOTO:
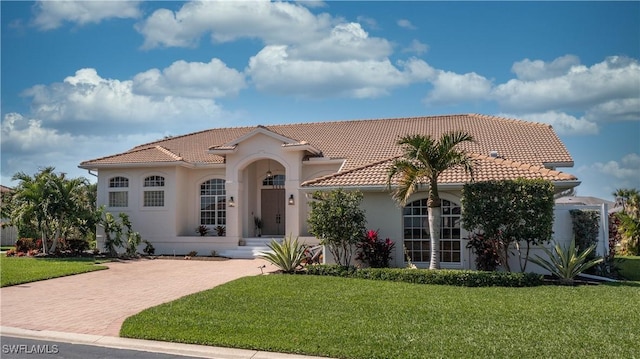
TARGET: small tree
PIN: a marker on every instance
(115, 235)
(629, 220)
(337, 219)
(586, 225)
(510, 212)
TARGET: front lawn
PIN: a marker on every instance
(357, 318)
(629, 267)
(18, 270)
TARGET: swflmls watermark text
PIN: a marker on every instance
(29, 349)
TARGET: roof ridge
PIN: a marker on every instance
(149, 144)
(271, 127)
(133, 150)
(170, 153)
(368, 120)
(510, 119)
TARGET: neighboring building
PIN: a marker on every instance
(227, 176)
(8, 234)
(585, 201)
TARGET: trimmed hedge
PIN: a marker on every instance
(464, 278)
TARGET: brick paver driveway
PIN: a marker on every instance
(98, 302)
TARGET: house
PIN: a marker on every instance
(229, 176)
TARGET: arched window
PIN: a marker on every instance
(416, 232)
(153, 197)
(213, 200)
(118, 192)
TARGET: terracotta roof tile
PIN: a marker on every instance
(486, 168)
(364, 143)
(153, 154)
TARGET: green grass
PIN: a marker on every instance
(356, 318)
(6, 248)
(629, 267)
(19, 270)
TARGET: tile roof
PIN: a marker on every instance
(486, 168)
(367, 144)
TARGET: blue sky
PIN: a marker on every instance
(81, 80)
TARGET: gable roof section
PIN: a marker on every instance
(287, 143)
(364, 144)
(155, 154)
(486, 168)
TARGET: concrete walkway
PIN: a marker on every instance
(90, 308)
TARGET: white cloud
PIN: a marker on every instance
(406, 24)
(345, 42)
(272, 22)
(273, 71)
(52, 14)
(28, 146)
(624, 173)
(578, 89)
(190, 79)
(416, 47)
(312, 3)
(450, 87)
(371, 23)
(626, 109)
(106, 105)
(562, 123)
(28, 136)
(527, 70)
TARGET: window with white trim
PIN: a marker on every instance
(213, 203)
(277, 181)
(153, 197)
(416, 232)
(118, 192)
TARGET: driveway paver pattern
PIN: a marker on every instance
(98, 302)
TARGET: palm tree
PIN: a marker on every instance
(423, 161)
(66, 197)
(31, 202)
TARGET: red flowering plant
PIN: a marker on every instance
(374, 251)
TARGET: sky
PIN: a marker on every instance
(82, 80)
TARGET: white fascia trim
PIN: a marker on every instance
(554, 165)
(153, 164)
(222, 151)
(301, 147)
(323, 161)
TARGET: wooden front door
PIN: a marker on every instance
(273, 212)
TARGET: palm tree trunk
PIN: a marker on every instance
(434, 234)
(435, 217)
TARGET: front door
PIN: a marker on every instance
(273, 212)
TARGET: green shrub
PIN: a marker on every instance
(568, 262)
(149, 249)
(25, 244)
(76, 245)
(375, 251)
(287, 256)
(465, 278)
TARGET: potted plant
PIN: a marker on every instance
(221, 231)
(258, 226)
(203, 230)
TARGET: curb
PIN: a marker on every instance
(202, 351)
